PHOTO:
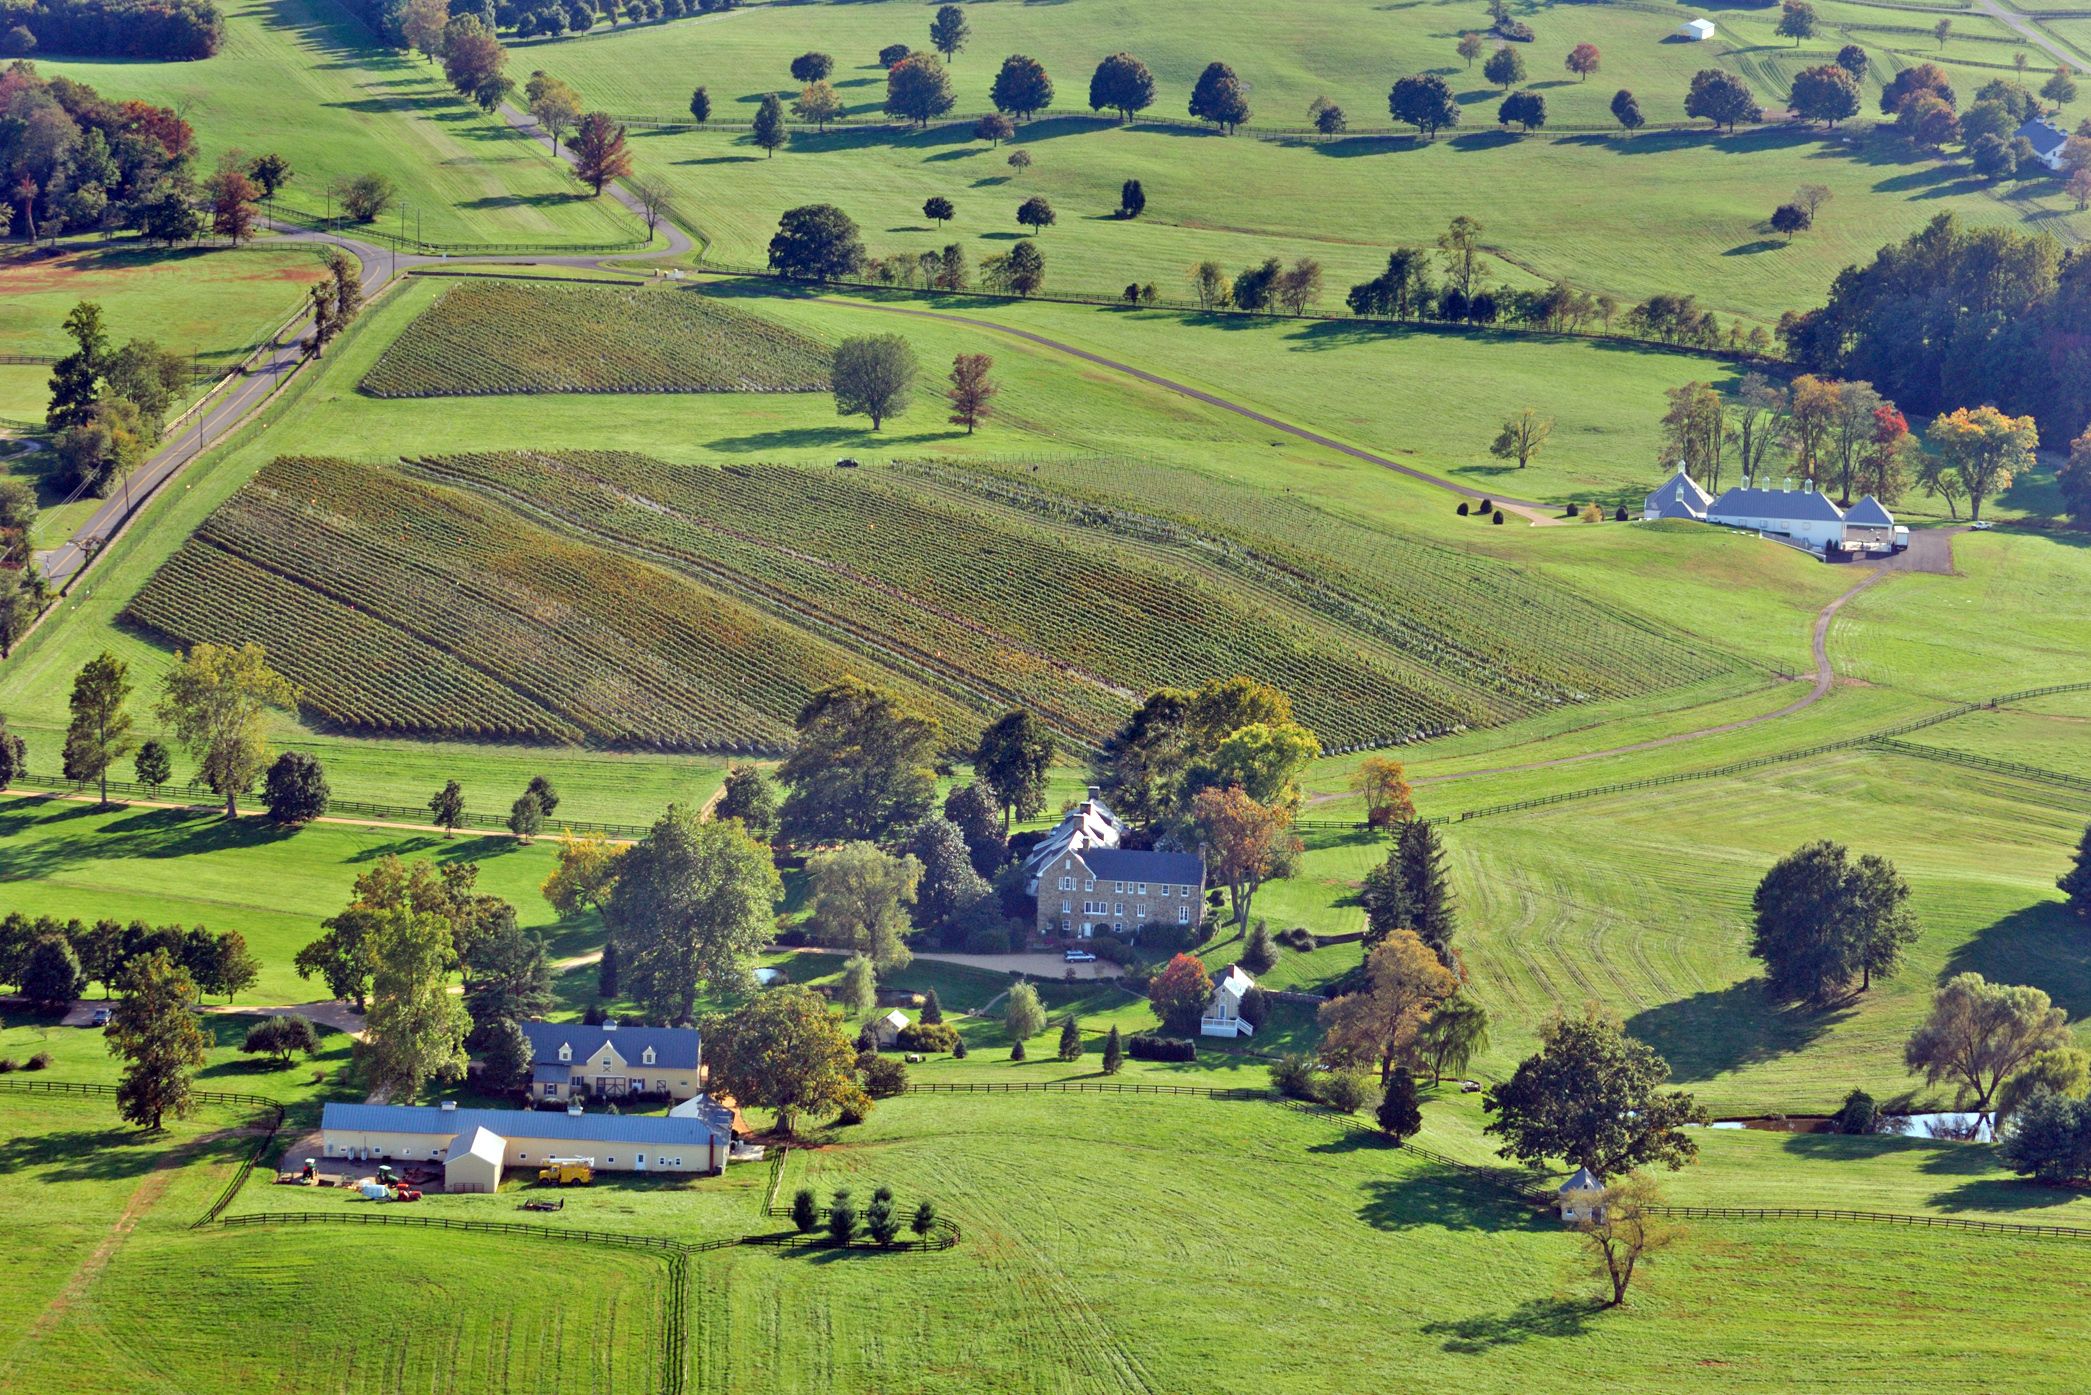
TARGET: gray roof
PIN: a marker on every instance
(1679, 497)
(673, 1047)
(551, 1073)
(2044, 136)
(1868, 513)
(1128, 865)
(1584, 1181)
(1797, 505)
(651, 1129)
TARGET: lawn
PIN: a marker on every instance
(302, 78)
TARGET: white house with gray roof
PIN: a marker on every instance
(1804, 517)
(2047, 140)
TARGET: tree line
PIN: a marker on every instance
(51, 962)
(167, 30)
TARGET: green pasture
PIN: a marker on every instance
(303, 78)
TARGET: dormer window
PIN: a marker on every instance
(566, 1051)
(648, 1057)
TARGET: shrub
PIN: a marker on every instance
(1160, 940)
(1151, 1046)
(1345, 1092)
(1297, 939)
(1292, 1075)
(1620, 516)
(855, 1109)
(1497, 518)
(1463, 509)
(994, 941)
(958, 1049)
(9, 1065)
(884, 1077)
(1593, 514)
(842, 1217)
(1016, 1051)
(927, 1036)
(1256, 1006)
(1859, 1114)
(40, 1061)
(805, 1213)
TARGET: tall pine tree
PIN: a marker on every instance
(1431, 912)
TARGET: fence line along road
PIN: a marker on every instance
(1804, 1213)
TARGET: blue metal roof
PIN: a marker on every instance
(673, 1047)
(1796, 504)
(1868, 513)
(1126, 864)
(651, 1129)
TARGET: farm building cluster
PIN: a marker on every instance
(1805, 518)
(1087, 882)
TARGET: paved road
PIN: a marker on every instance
(243, 394)
(1035, 965)
(2030, 32)
(1538, 514)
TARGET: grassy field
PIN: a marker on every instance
(301, 78)
(1681, 212)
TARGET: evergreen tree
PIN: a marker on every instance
(1399, 1114)
(842, 1217)
(2076, 882)
(769, 129)
(1260, 955)
(1428, 889)
(1070, 1040)
(805, 1213)
(606, 972)
(932, 1010)
(1114, 1052)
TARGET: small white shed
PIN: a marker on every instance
(1697, 30)
(473, 1163)
(1582, 1197)
(889, 1027)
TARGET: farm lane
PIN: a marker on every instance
(1538, 514)
(2029, 31)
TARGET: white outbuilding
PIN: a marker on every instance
(1582, 1197)
(1223, 1014)
(889, 1027)
(473, 1163)
(1697, 30)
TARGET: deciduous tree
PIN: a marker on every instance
(1452, 1036)
(1796, 21)
(100, 732)
(1979, 1034)
(948, 31)
(1244, 842)
(1626, 1229)
(1383, 785)
(784, 1050)
(1823, 919)
(1594, 1096)
(295, 791)
(1721, 97)
(1022, 89)
(971, 388)
(1121, 83)
(1012, 762)
(1405, 982)
(863, 766)
(1626, 110)
(599, 151)
(216, 700)
(1522, 437)
(918, 88)
(1583, 60)
(873, 376)
(1505, 67)
(693, 902)
(153, 1028)
(555, 106)
(1023, 1016)
(1219, 98)
(860, 900)
(1179, 993)
(1987, 448)
(2075, 884)
(769, 133)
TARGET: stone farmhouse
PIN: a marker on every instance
(1087, 882)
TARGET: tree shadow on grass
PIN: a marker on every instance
(1533, 1318)
(1712, 1033)
(82, 1155)
(807, 437)
(2041, 944)
(143, 833)
(1441, 1200)
(1751, 249)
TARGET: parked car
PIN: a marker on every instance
(1079, 956)
(100, 1018)
(1982, 525)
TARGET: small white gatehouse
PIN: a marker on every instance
(1697, 30)
(1223, 1015)
(1582, 1197)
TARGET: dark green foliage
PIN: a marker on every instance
(154, 766)
(2049, 1139)
(1114, 1051)
(51, 975)
(972, 809)
(1399, 1113)
(1132, 199)
(932, 1010)
(927, 1036)
(925, 1219)
(1016, 1051)
(1014, 755)
(542, 790)
(918, 88)
(1260, 955)
(750, 797)
(1432, 913)
(1626, 110)
(1147, 1046)
(864, 765)
(948, 31)
(1070, 1040)
(768, 132)
(1022, 89)
(1034, 213)
(1219, 97)
(959, 1049)
(1823, 919)
(447, 806)
(1858, 1114)
(805, 1212)
(700, 106)
(1504, 67)
(842, 1217)
(880, 1222)
(884, 1077)
(281, 1038)
(949, 888)
(504, 1053)
(811, 67)
(1425, 102)
(1593, 1096)
(606, 972)
(1122, 84)
(295, 789)
(892, 54)
(1722, 98)
(2075, 884)
(1523, 109)
(1343, 1091)
(874, 376)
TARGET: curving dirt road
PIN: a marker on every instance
(1538, 514)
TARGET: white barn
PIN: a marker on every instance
(1697, 30)
(479, 1144)
(1223, 1014)
(2047, 140)
(1803, 517)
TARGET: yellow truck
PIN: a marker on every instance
(567, 1172)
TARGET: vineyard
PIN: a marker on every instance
(611, 598)
(499, 337)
